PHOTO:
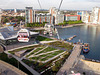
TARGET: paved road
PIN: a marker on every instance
(70, 61)
(18, 44)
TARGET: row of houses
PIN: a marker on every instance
(53, 17)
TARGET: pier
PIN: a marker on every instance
(70, 61)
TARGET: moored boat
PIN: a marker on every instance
(86, 47)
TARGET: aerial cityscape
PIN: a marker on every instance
(56, 37)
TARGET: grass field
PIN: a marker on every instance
(25, 48)
(62, 45)
(41, 38)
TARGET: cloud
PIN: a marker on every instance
(46, 4)
(93, 0)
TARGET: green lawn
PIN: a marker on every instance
(46, 50)
(25, 48)
(47, 56)
(41, 38)
(36, 50)
(62, 45)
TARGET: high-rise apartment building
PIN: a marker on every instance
(57, 16)
(0, 15)
(53, 17)
(96, 15)
(93, 17)
(29, 17)
(15, 10)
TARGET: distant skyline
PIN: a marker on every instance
(46, 4)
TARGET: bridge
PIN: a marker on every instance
(70, 61)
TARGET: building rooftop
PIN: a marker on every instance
(7, 32)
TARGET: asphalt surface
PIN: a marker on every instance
(19, 44)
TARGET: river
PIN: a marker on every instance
(86, 34)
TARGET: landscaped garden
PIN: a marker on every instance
(25, 48)
(41, 38)
(43, 53)
(70, 22)
(46, 58)
(62, 45)
(40, 67)
(37, 24)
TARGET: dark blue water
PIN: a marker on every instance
(87, 34)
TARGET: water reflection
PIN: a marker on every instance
(89, 34)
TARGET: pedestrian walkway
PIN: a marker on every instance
(70, 61)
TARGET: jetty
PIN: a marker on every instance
(71, 60)
(70, 38)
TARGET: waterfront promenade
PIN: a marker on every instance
(70, 61)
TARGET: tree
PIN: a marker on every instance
(40, 63)
(10, 18)
(5, 20)
(54, 68)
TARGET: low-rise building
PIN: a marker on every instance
(72, 17)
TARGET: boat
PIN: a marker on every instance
(86, 47)
(70, 38)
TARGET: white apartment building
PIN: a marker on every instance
(85, 17)
(15, 10)
(0, 14)
(57, 16)
(29, 17)
(96, 15)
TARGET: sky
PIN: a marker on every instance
(46, 4)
